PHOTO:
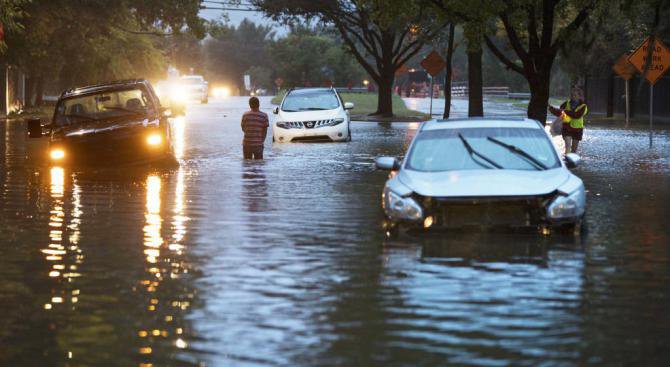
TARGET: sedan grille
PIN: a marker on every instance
(487, 212)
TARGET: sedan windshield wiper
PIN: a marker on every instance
(520, 152)
(474, 153)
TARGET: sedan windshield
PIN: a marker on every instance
(443, 150)
(310, 101)
(102, 106)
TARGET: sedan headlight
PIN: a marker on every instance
(570, 206)
(399, 207)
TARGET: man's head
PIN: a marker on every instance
(577, 94)
(254, 103)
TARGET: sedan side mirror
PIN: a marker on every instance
(387, 163)
(348, 106)
(34, 128)
(572, 160)
(276, 110)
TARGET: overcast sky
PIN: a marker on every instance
(236, 17)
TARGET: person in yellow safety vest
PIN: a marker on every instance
(572, 112)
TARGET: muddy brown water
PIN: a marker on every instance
(222, 262)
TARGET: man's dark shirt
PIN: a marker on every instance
(255, 126)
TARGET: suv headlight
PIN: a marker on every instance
(569, 206)
(282, 124)
(336, 121)
(399, 207)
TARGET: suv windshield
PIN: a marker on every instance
(310, 101)
(192, 80)
(102, 106)
(443, 150)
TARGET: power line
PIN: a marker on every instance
(227, 9)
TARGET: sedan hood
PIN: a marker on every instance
(480, 183)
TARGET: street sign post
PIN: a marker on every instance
(433, 64)
(626, 71)
(652, 60)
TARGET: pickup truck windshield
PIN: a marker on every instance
(103, 106)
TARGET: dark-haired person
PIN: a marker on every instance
(572, 112)
(255, 127)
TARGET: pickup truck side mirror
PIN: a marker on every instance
(572, 160)
(166, 112)
(34, 128)
(276, 110)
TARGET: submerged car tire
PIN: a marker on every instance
(349, 136)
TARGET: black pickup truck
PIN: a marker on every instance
(112, 123)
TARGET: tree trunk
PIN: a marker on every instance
(449, 74)
(475, 97)
(385, 94)
(30, 92)
(39, 91)
(539, 98)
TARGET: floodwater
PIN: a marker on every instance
(222, 262)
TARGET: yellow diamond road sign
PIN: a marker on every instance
(659, 63)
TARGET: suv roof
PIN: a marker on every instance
(479, 122)
(118, 84)
(306, 90)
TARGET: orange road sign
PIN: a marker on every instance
(623, 68)
(659, 63)
(433, 63)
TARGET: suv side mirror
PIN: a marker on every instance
(34, 128)
(387, 163)
(572, 160)
(348, 106)
(276, 110)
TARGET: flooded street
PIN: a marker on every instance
(222, 262)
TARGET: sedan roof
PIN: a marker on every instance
(481, 122)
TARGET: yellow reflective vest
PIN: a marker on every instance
(575, 123)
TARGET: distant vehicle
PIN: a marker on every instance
(173, 95)
(483, 173)
(117, 122)
(312, 114)
(195, 87)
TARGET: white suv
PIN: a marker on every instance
(312, 114)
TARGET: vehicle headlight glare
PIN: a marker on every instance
(399, 207)
(570, 206)
(154, 139)
(57, 154)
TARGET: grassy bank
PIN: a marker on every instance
(520, 103)
(366, 103)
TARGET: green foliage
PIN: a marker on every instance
(79, 42)
(231, 51)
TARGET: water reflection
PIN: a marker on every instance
(65, 257)
(167, 297)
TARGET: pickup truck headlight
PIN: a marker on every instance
(570, 206)
(399, 207)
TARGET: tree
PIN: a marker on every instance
(82, 42)
(381, 35)
(545, 26)
(231, 51)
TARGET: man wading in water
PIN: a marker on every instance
(255, 127)
(572, 113)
